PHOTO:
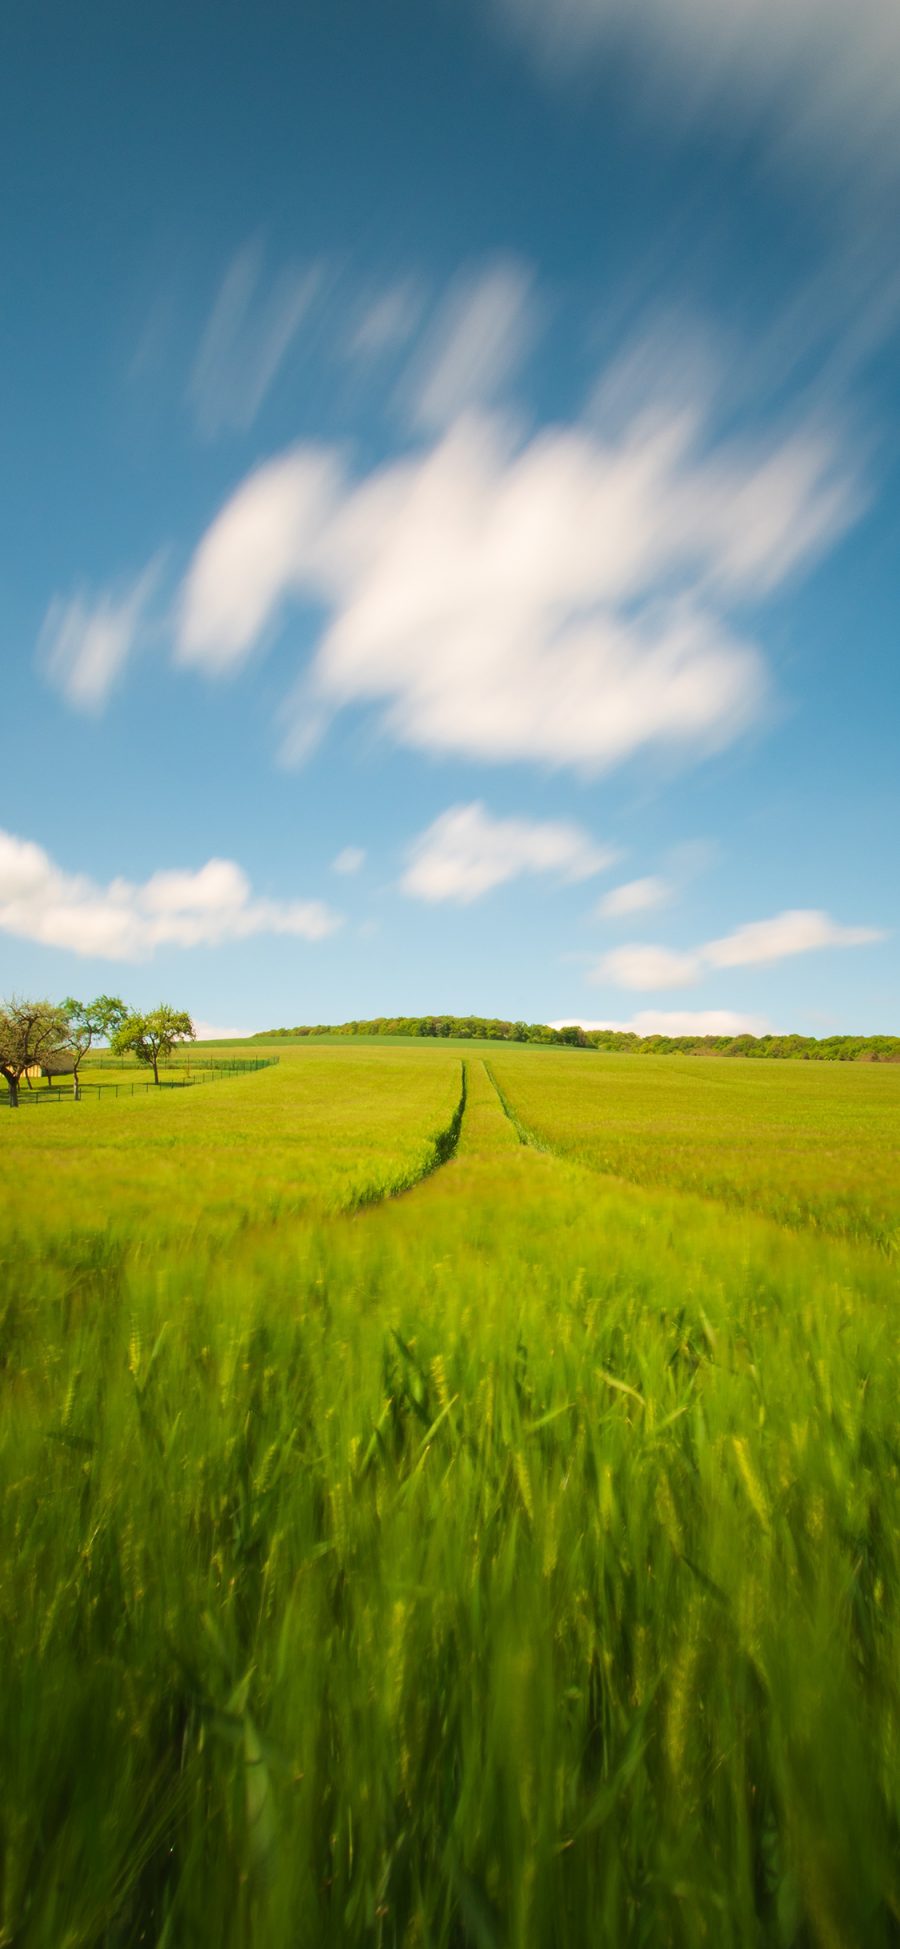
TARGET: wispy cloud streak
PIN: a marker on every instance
(246, 341)
(814, 69)
(87, 639)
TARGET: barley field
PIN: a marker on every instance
(449, 1499)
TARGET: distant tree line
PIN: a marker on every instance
(482, 1028)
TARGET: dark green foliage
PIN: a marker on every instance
(32, 1035)
(153, 1037)
(481, 1028)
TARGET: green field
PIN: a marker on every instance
(506, 1563)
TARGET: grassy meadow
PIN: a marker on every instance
(211, 1160)
(509, 1562)
(808, 1143)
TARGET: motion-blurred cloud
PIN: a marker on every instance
(566, 599)
(809, 70)
(248, 335)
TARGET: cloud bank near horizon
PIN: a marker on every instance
(656, 1021)
(124, 921)
(760, 943)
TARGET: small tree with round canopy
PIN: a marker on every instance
(153, 1036)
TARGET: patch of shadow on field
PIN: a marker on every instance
(443, 1146)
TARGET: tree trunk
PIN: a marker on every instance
(76, 1088)
(13, 1086)
(156, 1070)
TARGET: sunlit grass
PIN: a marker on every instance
(810, 1143)
(511, 1563)
(309, 1133)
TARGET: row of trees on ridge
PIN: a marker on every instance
(482, 1028)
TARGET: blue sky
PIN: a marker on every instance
(451, 549)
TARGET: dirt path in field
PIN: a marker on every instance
(485, 1131)
(446, 1144)
(524, 1136)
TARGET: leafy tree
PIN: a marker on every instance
(152, 1037)
(89, 1022)
(30, 1032)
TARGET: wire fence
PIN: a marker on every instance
(238, 1064)
(217, 1072)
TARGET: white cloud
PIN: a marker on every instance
(466, 852)
(246, 340)
(126, 922)
(800, 931)
(349, 860)
(699, 1021)
(482, 333)
(824, 68)
(635, 897)
(559, 601)
(211, 1032)
(262, 544)
(797, 932)
(647, 967)
(86, 641)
